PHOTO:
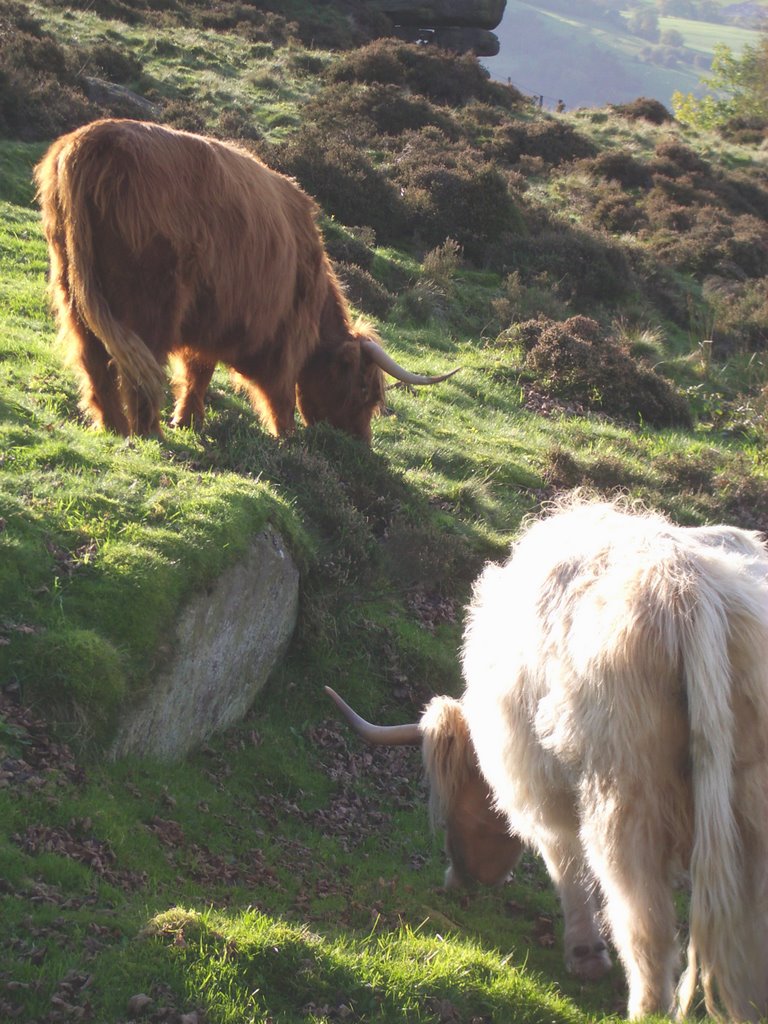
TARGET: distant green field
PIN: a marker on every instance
(588, 62)
(704, 35)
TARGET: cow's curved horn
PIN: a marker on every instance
(377, 735)
(388, 364)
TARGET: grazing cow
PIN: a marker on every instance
(166, 245)
(616, 706)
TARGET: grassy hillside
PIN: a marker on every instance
(577, 269)
(587, 59)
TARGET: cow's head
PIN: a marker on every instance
(478, 841)
(343, 384)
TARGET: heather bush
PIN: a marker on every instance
(576, 360)
(552, 140)
(342, 177)
(184, 115)
(364, 290)
(740, 313)
(621, 166)
(349, 244)
(587, 266)
(450, 192)
(118, 10)
(707, 241)
(40, 92)
(616, 211)
(661, 286)
(742, 194)
(441, 76)
(113, 63)
(365, 111)
(643, 109)
(249, 21)
(234, 123)
(680, 158)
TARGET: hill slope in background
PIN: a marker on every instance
(586, 56)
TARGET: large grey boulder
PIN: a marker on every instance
(227, 641)
(463, 13)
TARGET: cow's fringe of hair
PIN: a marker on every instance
(449, 757)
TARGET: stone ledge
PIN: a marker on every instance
(226, 642)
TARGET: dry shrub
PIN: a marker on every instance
(368, 110)
(644, 109)
(344, 180)
(616, 211)
(451, 192)
(113, 63)
(588, 266)
(552, 140)
(441, 263)
(40, 96)
(621, 166)
(518, 302)
(250, 23)
(441, 76)
(350, 245)
(675, 158)
(575, 360)
(364, 290)
(706, 240)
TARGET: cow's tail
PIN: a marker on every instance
(447, 752)
(727, 933)
(67, 194)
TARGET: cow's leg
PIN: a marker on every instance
(100, 394)
(271, 392)
(191, 376)
(586, 952)
(628, 852)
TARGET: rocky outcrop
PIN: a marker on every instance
(463, 26)
(119, 100)
(460, 40)
(462, 13)
(227, 641)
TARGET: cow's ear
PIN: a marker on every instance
(349, 357)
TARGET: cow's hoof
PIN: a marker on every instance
(590, 963)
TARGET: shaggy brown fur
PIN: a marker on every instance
(166, 245)
(478, 840)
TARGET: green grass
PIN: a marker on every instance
(215, 73)
(281, 872)
(269, 913)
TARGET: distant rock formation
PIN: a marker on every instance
(463, 26)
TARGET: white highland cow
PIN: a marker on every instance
(615, 718)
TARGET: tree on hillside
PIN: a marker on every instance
(738, 89)
(644, 23)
